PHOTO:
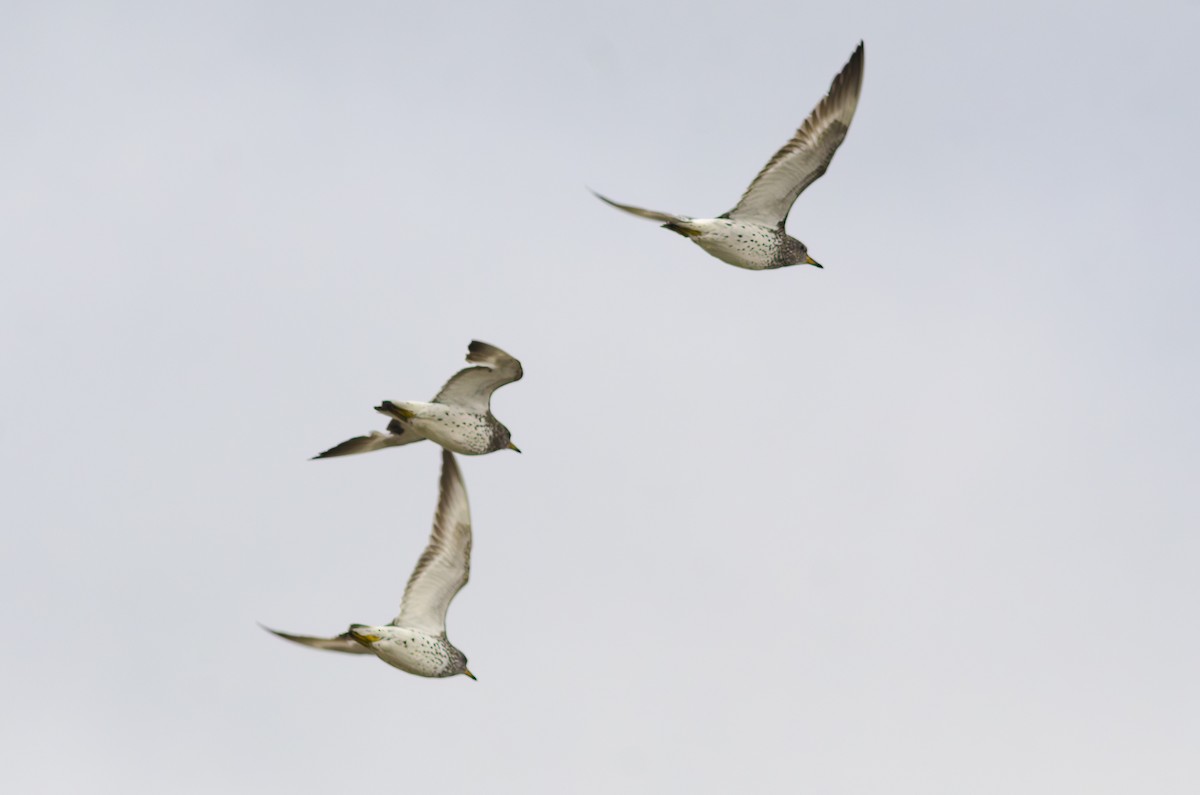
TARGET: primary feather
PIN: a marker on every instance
(472, 387)
(445, 565)
(804, 158)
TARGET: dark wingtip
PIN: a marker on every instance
(480, 351)
(606, 200)
(337, 450)
(857, 59)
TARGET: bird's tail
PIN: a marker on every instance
(680, 229)
(395, 411)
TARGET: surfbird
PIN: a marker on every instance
(752, 235)
(415, 640)
(459, 418)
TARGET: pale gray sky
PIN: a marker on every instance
(921, 522)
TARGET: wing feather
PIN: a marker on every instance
(344, 642)
(641, 212)
(395, 436)
(804, 158)
(472, 387)
(445, 564)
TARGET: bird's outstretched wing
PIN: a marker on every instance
(653, 215)
(472, 387)
(803, 159)
(343, 642)
(396, 435)
(445, 564)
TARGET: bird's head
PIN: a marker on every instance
(796, 253)
(458, 664)
(505, 439)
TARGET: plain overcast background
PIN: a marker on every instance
(921, 522)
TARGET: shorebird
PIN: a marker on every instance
(416, 640)
(459, 418)
(752, 235)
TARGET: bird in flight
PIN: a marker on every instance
(459, 418)
(752, 235)
(415, 641)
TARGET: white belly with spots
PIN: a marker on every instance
(414, 652)
(455, 429)
(750, 246)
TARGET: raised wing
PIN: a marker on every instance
(343, 642)
(472, 388)
(803, 159)
(445, 564)
(653, 215)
